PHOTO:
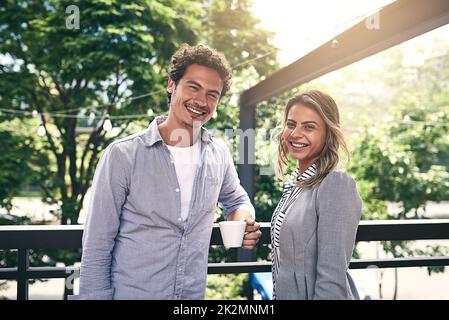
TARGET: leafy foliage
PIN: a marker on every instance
(225, 287)
(121, 49)
(398, 167)
(20, 163)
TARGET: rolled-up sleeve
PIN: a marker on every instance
(339, 209)
(109, 191)
(232, 195)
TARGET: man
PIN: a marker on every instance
(154, 194)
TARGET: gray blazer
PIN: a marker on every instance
(317, 239)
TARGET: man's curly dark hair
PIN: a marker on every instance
(201, 55)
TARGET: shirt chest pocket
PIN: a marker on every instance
(212, 173)
(210, 192)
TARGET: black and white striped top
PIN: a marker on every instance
(289, 195)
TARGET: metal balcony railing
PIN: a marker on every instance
(24, 238)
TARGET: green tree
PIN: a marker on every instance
(15, 166)
(224, 287)
(232, 28)
(120, 50)
(401, 165)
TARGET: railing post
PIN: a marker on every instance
(247, 165)
(247, 171)
(23, 264)
(247, 256)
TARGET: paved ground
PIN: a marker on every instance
(413, 283)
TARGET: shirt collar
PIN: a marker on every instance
(310, 172)
(153, 135)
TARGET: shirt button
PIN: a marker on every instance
(177, 189)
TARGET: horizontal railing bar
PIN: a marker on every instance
(69, 237)
(8, 274)
(41, 237)
(376, 230)
(37, 273)
(265, 266)
(238, 267)
(399, 262)
(264, 239)
(417, 229)
(241, 267)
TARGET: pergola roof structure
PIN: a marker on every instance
(398, 22)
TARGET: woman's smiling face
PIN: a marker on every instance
(304, 135)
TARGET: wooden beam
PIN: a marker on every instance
(398, 22)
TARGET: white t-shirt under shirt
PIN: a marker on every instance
(186, 161)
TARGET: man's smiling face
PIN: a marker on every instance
(195, 98)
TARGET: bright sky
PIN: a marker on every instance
(303, 25)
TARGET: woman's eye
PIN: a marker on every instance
(290, 125)
(309, 127)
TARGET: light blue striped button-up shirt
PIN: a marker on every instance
(135, 245)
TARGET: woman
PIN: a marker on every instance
(314, 226)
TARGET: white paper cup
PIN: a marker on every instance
(232, 233)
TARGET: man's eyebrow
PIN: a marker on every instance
(199, 85)
(194, 82)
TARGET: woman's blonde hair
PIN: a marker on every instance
(334, 139)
